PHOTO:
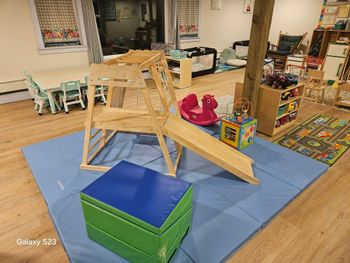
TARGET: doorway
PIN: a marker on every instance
(129, 24)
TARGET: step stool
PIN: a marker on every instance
(138, 213)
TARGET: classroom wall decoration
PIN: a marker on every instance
(247, 8)
(216, 4)
(334, 14)
(344, 11)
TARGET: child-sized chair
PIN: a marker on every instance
(99, 91)
(71, 94)
(314, 82)
(40, 97)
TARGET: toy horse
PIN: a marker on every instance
(203, 116)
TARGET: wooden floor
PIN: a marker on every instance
(315, 227)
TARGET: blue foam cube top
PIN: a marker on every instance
(143, 193)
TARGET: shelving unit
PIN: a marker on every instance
(182, 78)
(325, 37)
(269, 102)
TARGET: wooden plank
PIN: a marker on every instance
(115, 76)
(159, 131)
(238, 91)
(160, 87)
(139, 122)
(210, 148)
(259, 34)
(88, 124)
(112, 110)
(95, 134)
(89, 160)
(96, 168)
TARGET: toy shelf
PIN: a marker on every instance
(181, 78)
(285, 102)
(287, 113)
(284, 127)
(175, 72)
(270, 120)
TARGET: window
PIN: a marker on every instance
(188, 18)
(132, 24)
(57, 24)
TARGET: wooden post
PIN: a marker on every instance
(259, 34)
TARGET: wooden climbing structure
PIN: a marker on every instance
(126, 72)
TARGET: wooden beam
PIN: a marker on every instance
(259, 34)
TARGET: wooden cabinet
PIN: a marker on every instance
(181, 70)
(335, 61)
(276, 111)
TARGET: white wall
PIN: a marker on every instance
(295, 17)
(220, 28)
(19, 47)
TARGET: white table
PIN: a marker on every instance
(50, 81)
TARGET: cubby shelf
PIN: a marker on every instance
(269, 102)
(182, 78)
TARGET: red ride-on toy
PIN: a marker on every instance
(192, 112)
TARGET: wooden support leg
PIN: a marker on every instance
(160, 88)
(159, 132)
(259, 34)
(88, 124)
(104, 136)
(323, 91)
(336, 96)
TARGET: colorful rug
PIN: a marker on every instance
(322, 137)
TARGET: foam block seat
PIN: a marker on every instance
(138, 213)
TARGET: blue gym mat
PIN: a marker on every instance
(227, 211)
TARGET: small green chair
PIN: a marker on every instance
(40, 96)
(71, 94)
(99, 91)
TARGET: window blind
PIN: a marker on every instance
(188, 18)
(58, 22)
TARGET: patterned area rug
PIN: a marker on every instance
(322, 137)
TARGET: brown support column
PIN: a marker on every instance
(259, 34)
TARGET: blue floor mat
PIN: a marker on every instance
(226, 210)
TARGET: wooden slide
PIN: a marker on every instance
(209, 148)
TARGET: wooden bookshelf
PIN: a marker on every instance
(325, 37)
(269, 103)
(182, 78)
